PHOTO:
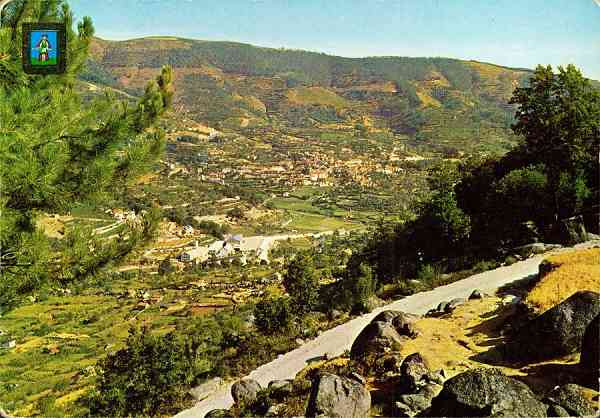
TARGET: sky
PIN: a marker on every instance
(515, 33)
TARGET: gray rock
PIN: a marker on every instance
(281, 388)
(570, 398)
(416, 402)
(531, 249)
(590, 349)
(405, 324)
(275, 410)
(558, 331)
(442, 307)
(386, 316)
(375, 338)
(476, 294)
(557, 411)
(430, 390)
(413, 371)
(245, 391)
(455, 303)
(358, 378)
(486, 392)
(218, 413)
(389, 362)
(338, 397)
(435, 377)
(202, 391)
(593, 237)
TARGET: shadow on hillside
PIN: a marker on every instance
(519, 287)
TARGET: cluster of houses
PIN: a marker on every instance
(244, 249)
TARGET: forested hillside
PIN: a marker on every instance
(446, 103)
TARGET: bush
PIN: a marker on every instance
(302, 283)
(273, 315)
(149, 377)
(427, 273)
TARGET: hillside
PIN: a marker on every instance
(446, 103)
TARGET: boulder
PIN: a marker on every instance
(442, 307)
(389, 362)
(280, 388)
(386, 316)
(476, 294)
(405, 324)
(338, 397)
(570, 399)
(453, 304)
(590, 349)
(531, 249)
(486, 392)
(556, 332)
(376, 338)
(415, 402)
(218, 413)
(413, 370)
(557, 411)
(245, 391)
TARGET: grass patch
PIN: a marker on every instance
(573, 271)
(316, 96)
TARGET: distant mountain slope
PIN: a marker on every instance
(445, 102)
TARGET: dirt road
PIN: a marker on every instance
(336, 340)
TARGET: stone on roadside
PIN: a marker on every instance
(376, 338)
(245, 391)
(486, 392)
(338, 397)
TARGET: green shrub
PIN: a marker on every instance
(149, 377)
(427, 272)
(273, 315)
(302, 283)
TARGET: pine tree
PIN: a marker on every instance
(57, 151)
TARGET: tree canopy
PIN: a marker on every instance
(57, 150)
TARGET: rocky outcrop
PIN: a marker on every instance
(376, 338)
(405, 324)
(245, 391)
(280, 388)
(590, 349)
(569, 398)
(413, 370)
(556, 332)
(485, 392)
(446, 307)
(338, 397)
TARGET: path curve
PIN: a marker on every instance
(336, 340)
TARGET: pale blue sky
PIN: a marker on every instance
(517, 33)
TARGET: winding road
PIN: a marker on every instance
(336, 340)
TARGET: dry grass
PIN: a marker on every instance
(316, 96)
(573, 271)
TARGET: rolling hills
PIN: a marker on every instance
(448, 104)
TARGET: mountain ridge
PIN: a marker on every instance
(447, 103)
